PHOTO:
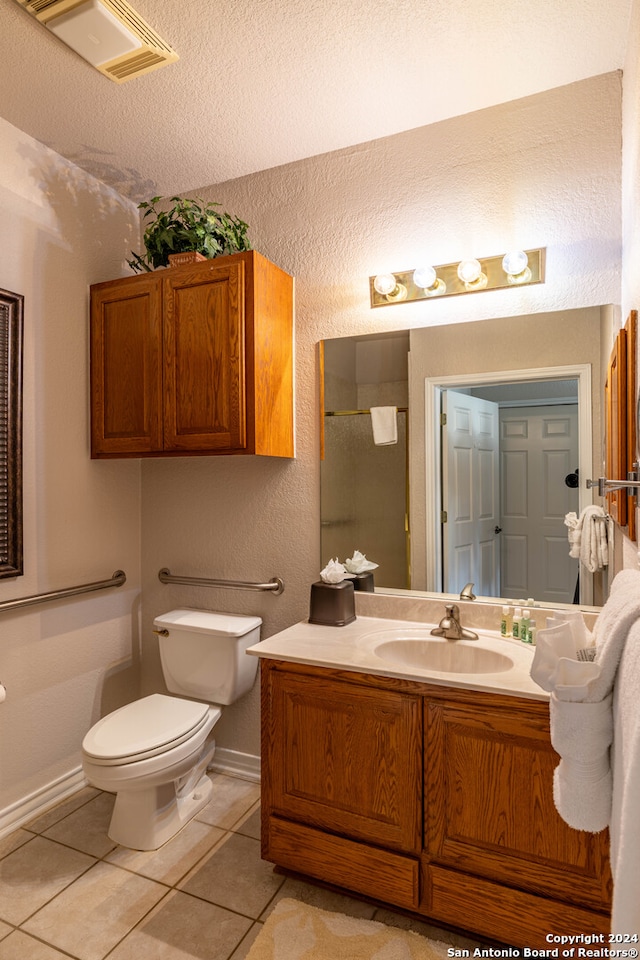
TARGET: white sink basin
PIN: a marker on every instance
(415, 647)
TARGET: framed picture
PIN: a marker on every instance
(11, 320)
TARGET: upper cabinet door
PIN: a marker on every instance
(126, 358)
(204, 360)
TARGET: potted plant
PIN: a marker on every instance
(188, 226)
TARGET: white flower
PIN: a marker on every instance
(358, 563)
(334, 572)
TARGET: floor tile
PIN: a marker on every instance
(317, 896)
(250, 825)
(5, 929)
(34, 873)
(46, 820)
(20, 946)
(105, 903)
(175, 858)
(242, 950)
(86, 828)
(184, 928)
(231, 799)
(235, 877)
(14, 840)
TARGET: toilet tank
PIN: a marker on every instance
(203, 653)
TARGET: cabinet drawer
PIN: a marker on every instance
(494, 910)
(385, 876)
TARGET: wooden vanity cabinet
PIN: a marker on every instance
(196, 359)
(433, 799)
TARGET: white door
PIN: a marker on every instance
(539, 448)
(471, 494)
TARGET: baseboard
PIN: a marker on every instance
(38, 802)
(232, 762)
(236, 764)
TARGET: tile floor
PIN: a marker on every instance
(66, 890)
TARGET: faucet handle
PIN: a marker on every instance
(467, 592)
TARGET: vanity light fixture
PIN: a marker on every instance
(516, 268)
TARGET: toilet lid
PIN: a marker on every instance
(144, 728)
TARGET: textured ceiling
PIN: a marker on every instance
(261, 83)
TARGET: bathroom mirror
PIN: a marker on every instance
(388, 500)
(11, 310)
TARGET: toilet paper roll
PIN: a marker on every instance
(3, 693)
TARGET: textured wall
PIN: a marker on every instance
(544, 171)
(63, 663)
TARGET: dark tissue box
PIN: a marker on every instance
(332, 604)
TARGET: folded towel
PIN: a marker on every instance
(582, 783)
(559, 663)
(588, 537)
(582, 786)
(384, 421)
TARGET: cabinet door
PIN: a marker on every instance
(489, 806)
(204, 363)
(345, 758)
(126, 371)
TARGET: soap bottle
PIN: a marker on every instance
(524, 625)
(506, 624)
(517, 617)
(532, 632)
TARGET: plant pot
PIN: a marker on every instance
(180, 259)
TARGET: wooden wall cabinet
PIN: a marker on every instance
(432, 799)
(194, 360)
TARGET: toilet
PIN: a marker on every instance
(154, 753)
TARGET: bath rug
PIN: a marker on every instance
(297, 931)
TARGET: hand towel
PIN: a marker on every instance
(588, 537)
(384, 421)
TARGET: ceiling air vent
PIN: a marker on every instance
(107, 33)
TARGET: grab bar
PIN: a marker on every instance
(276, 585)
(118, 578)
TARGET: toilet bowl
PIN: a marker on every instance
(154, 753)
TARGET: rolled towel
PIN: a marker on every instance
(384, 421)
(582, 783)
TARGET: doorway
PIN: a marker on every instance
(544, 430)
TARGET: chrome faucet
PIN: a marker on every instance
(467, 592)
(450, 627)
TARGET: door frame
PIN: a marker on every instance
(433, 390)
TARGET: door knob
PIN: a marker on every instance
(497, 529)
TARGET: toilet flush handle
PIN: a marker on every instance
(162, 633)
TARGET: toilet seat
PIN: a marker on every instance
(144, 729)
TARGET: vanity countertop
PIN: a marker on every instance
(353, 647)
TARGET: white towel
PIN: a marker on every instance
(588, 537)
(384, 421)
(582, 784)
(581, 703)
(624, 827)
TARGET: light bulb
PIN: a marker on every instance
(424, 277)
(428, 281)
(469, 271)
(385, 283)
(515, 266)
(515, 262)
